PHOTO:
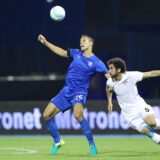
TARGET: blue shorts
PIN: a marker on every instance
(66, 99)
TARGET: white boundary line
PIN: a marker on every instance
(15, 150)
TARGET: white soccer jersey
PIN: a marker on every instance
(127, 93)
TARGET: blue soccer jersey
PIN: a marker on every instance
(79, 75)
(82, 69)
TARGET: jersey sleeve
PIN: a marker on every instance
(136, 76)
(72, 52)
(101, 67)
(108, 83)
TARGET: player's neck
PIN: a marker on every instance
(88, 53)
(119, 77)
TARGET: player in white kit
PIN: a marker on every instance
(137, 112)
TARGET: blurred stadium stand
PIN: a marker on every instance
(127, 29)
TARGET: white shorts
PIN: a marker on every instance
(136, 118)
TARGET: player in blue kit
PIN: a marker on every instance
(81, 70)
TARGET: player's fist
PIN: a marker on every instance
(42, 39)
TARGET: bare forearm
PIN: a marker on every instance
(57, 50)
(150, 74)
(109, 95)
(155, 73)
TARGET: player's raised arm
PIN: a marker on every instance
(109, 96)
(150, 74)
(57, 50)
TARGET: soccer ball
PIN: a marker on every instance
(57, 13)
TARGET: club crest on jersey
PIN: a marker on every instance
(90, 64)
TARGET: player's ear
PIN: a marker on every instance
(91, 43)
(119, 70)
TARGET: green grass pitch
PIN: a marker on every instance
(76, 148)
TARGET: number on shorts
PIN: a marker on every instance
(146, 109)
(79, 97)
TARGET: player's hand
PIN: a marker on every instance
(110, 106)
(42, 39)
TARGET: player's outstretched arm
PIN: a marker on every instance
(109, 97)
(150, 74)
(57, 50)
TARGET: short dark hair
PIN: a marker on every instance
(118, 63)
(90, 37)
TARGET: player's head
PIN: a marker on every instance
(86, 42)
(116, 66)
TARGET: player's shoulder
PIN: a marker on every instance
(98, 60)
(110, 82)
(133, 73)
(75, 50)
(129, 73)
